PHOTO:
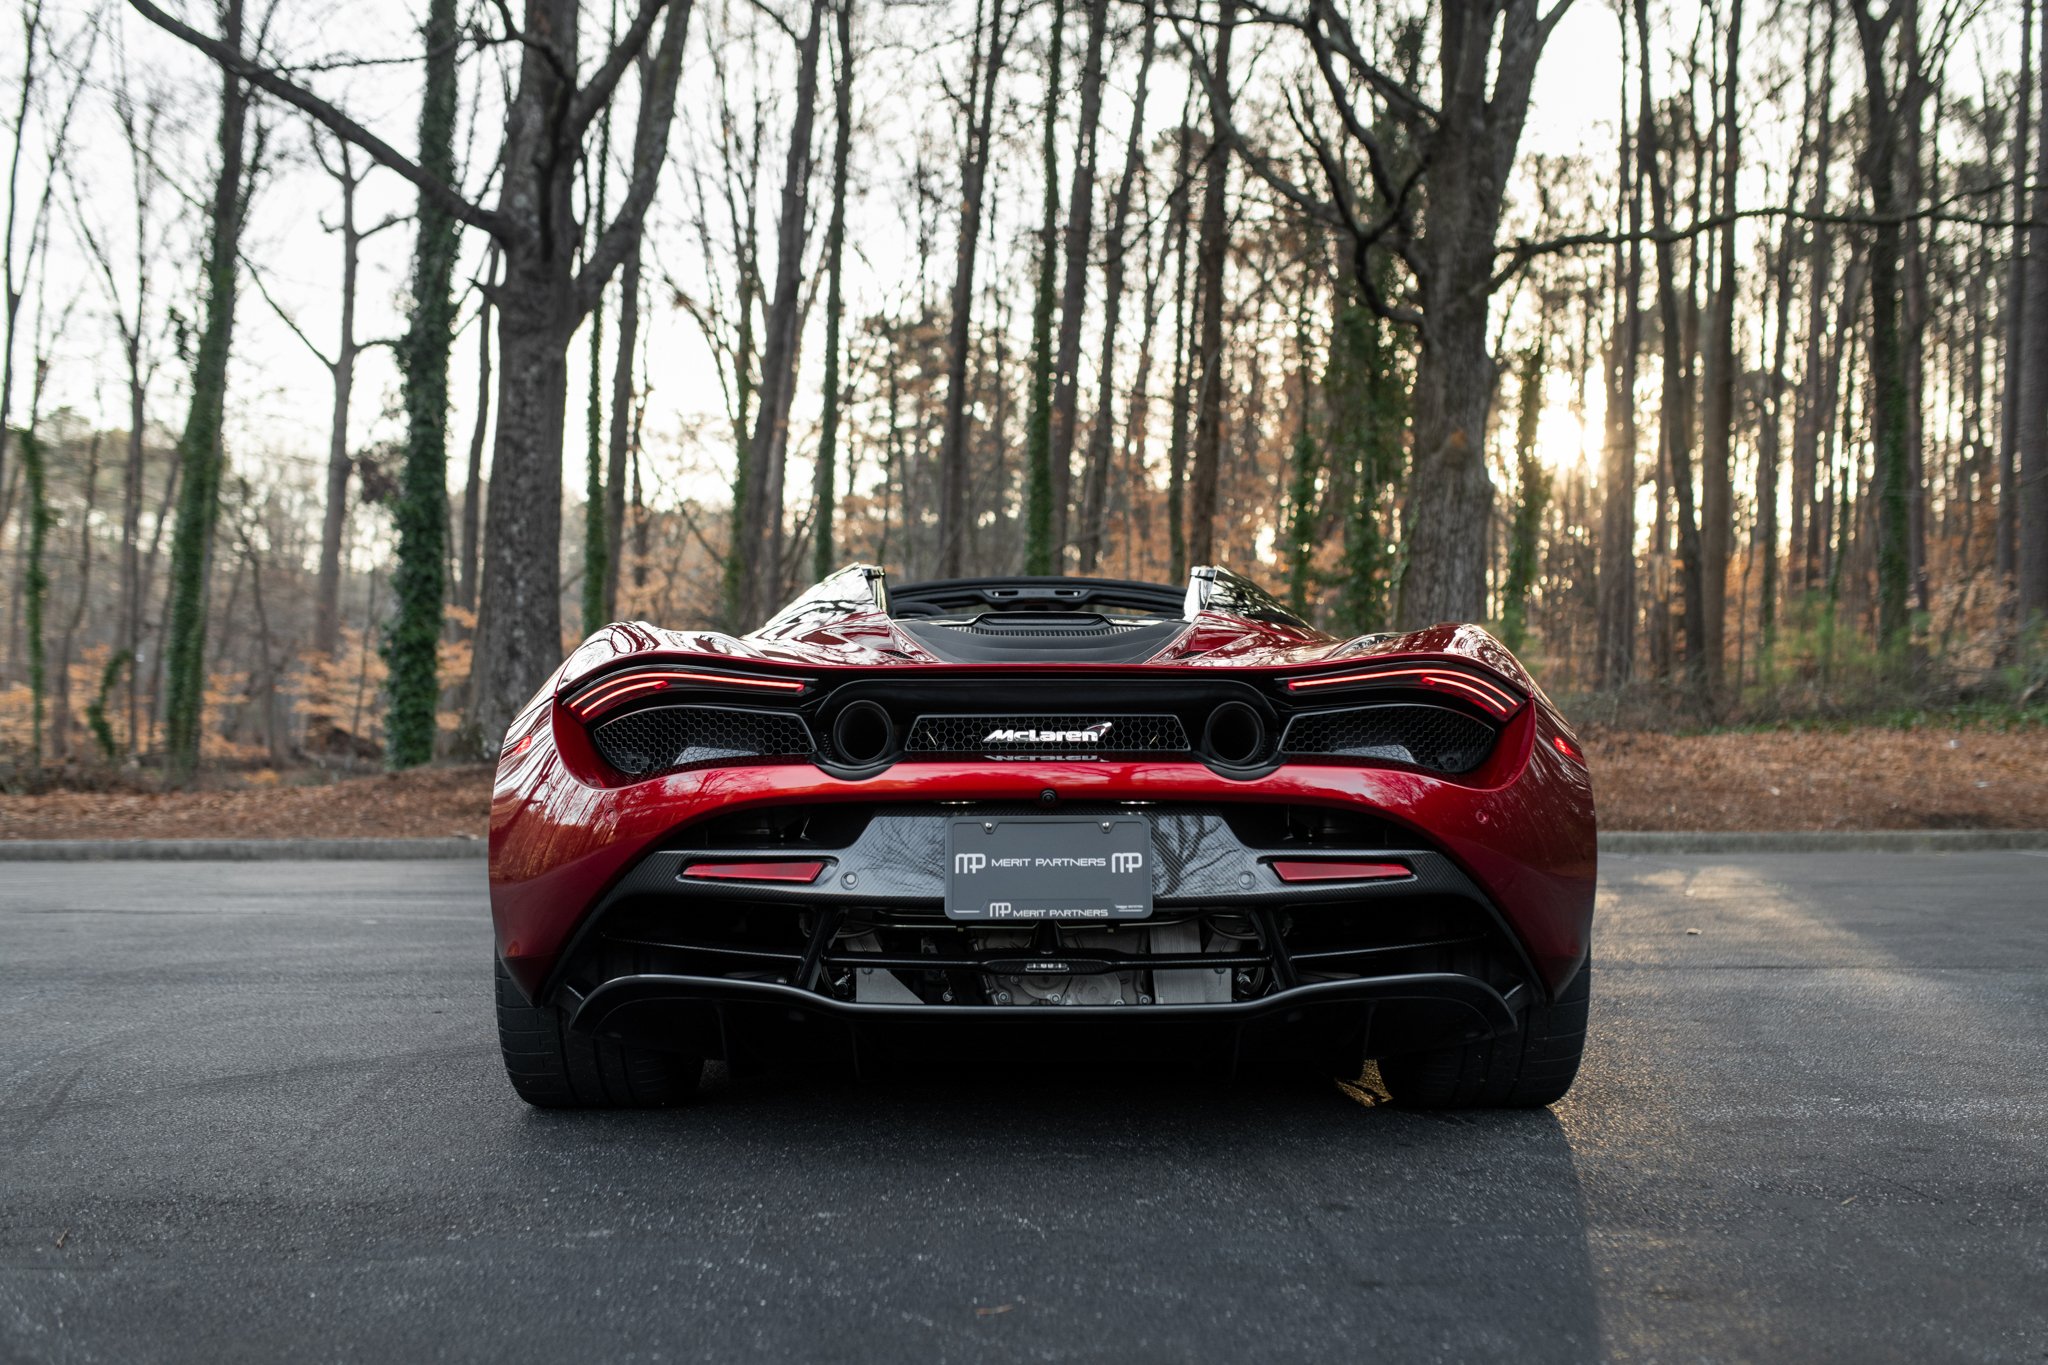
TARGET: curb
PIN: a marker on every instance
(235, 850)
(1626, 842)
(1620, 842)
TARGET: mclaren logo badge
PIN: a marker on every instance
(1092, 735)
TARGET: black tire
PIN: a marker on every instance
(554, 1068)
(1523, 1070)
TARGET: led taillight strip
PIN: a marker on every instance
(624, 688)
(1494, 699)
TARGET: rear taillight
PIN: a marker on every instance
(766, 870)
(1494, 699)
(619, 688)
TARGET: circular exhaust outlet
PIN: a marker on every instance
(863, 733)
(1235, 734)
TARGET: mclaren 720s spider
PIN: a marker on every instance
(1007, 808)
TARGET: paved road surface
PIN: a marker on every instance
(253, 1111)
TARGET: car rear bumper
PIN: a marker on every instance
(741, 1021)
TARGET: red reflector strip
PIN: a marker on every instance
(1333, 870)
(1492, 698)
(1568, 749)
(627, 686)
(779, 871)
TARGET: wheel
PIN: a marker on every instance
(555, 1069)
(1523, 1070)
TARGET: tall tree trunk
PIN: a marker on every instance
(2033, 433)
(60, 694)
(596, 548)
(620, 444)
(1470, 153)
(342, 371)
(200, 453)
(542, 299)
(1040, 554)
(2016, 294)
(1533, 492)
(986, 67)
(1305, 464)
(1615, 631)
(412, 649)
(1717, 505)
(131, 518)
(823, 488)
(762, 542)
(1074, 293)
(1675, 416)
(1917, 249)
(1885, 116)
(1764, 541)
(1101, 436)
(473, 483)
(1211, 254)
(1816, 398)
(1180, 212)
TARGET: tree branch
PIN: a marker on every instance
(650, 152)
(340, 124)
(592, 98)
(1523, 250)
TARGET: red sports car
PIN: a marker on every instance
(1013, 806)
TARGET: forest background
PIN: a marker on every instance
(360, 357)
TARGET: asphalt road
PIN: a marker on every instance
(253, 1111)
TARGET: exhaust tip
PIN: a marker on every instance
(1235, 734)
(863, 733)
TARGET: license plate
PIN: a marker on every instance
(1048, 868)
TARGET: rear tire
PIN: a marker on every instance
(554, 1068)
(1523, 1070)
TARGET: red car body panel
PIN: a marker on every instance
(564, 828)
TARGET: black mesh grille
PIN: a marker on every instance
(1046, 734)
(665, 738)
(1427, 736)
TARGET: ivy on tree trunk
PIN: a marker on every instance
(412, 648)
(199, 448)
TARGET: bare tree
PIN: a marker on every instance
(1074, 291)
(1210, 255)
(2033, 433)
(542, 300)
(1095, 477)
(19, 258)
(139, 323)
(1615, 642)
(1717, 433)
(341, 368)
(1465, 139)
(823, 485)
(984, 73)
(2016, 305)
(759, 548)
